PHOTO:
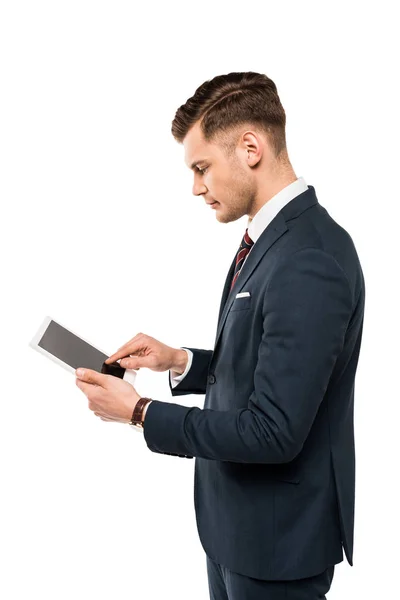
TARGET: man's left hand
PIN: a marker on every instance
(110, 398)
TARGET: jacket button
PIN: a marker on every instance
(211, 378)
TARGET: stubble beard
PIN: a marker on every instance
(240, 201)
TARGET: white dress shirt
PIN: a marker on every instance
(255, 228)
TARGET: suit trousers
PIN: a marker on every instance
(225, 584)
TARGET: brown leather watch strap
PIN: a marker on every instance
(137, 414)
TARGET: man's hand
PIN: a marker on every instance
(110, 398)
(145, 351)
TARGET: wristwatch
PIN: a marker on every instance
(137, 415)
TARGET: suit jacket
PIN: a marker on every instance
(274, 481)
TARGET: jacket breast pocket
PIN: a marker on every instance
(288, 479)
(243, 303)
(285, 472)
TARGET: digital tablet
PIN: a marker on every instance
(71, 351)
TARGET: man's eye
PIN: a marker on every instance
(202, 171)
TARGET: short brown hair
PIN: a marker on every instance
(227, 102)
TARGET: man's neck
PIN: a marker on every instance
(268, 191)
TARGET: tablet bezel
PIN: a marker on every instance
(34, 343)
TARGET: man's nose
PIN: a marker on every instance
(199, 189)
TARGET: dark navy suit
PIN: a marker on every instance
(274, 443)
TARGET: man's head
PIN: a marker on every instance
(233, 132)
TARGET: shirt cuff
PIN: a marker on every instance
(174, 376)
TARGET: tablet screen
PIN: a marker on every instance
(74, 351)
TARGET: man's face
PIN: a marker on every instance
(225, 181)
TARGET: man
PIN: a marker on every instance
(274, 443)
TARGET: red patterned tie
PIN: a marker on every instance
(243, 251)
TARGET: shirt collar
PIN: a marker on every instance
(271, 208)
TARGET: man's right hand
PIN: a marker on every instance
(145, 351)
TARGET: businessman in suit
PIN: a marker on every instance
(274, 444)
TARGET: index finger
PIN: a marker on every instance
(113, 357)
(120, 353)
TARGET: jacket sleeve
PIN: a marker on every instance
(306, 310)
(195, 381)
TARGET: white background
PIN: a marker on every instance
(101, 231)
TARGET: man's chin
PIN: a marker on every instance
(226, 217)
(222, 217)
(219, 215)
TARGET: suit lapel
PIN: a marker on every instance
(275, 229)
(227, 285)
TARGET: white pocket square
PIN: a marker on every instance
(242, 294)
